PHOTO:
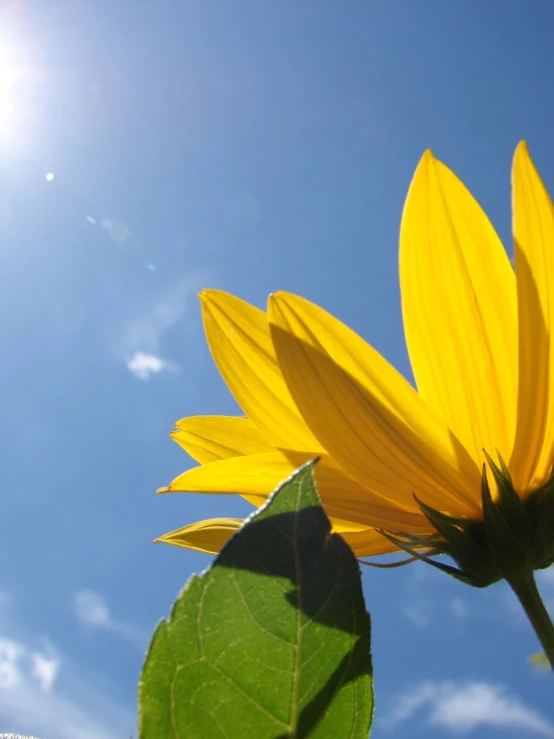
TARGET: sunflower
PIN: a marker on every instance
(463, 464)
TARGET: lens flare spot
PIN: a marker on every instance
(49, 177)
(119, 232)
(91, 220)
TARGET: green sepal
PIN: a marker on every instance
(511, 505)
(473, 559)
(433, 541)
(540, 508)
(448, 569)
(506, 550)
(513, 536)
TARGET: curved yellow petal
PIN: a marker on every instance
(240, 343)
(210, 536)
(209, 438)
(256, 476)
(205, 536)
(367, 416)
(459, 308)
(533, 225)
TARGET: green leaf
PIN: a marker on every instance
(272, 641)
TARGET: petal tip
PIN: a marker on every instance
(275, 301)
(211, 295)
(522, 152)
(205, 295)
(427, 159)
(522, 146)
(424, 166)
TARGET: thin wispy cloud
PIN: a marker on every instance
(44, 670)
(459, 608)
(422, 606)
(31, 705)
(91, 609)
(146, 331)
(93, 612)
(144, 365)
(10, 656)
(143, 338)
(419, 613)
(18, 661)
(43, 694)
(462, 707)
(421, 572)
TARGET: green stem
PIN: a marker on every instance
(524, 586)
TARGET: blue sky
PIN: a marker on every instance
(148, 150)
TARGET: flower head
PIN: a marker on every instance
(402, 468)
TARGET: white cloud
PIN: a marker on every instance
(29, 705)
(92, 611)
(10, 654)
(44, 670)
(461, 708)
(43, 695)
(142, 365)
(422, 572)
(19, 664)
(26, 707)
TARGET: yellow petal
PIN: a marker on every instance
(210, 536)
(240, 343)
(459, 308)
(533, 225)
(367, 416)
(209, 438)
(205, 536)
(256, 476)
(367, 543)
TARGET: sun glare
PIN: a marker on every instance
(7, 107)
(13, 70)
